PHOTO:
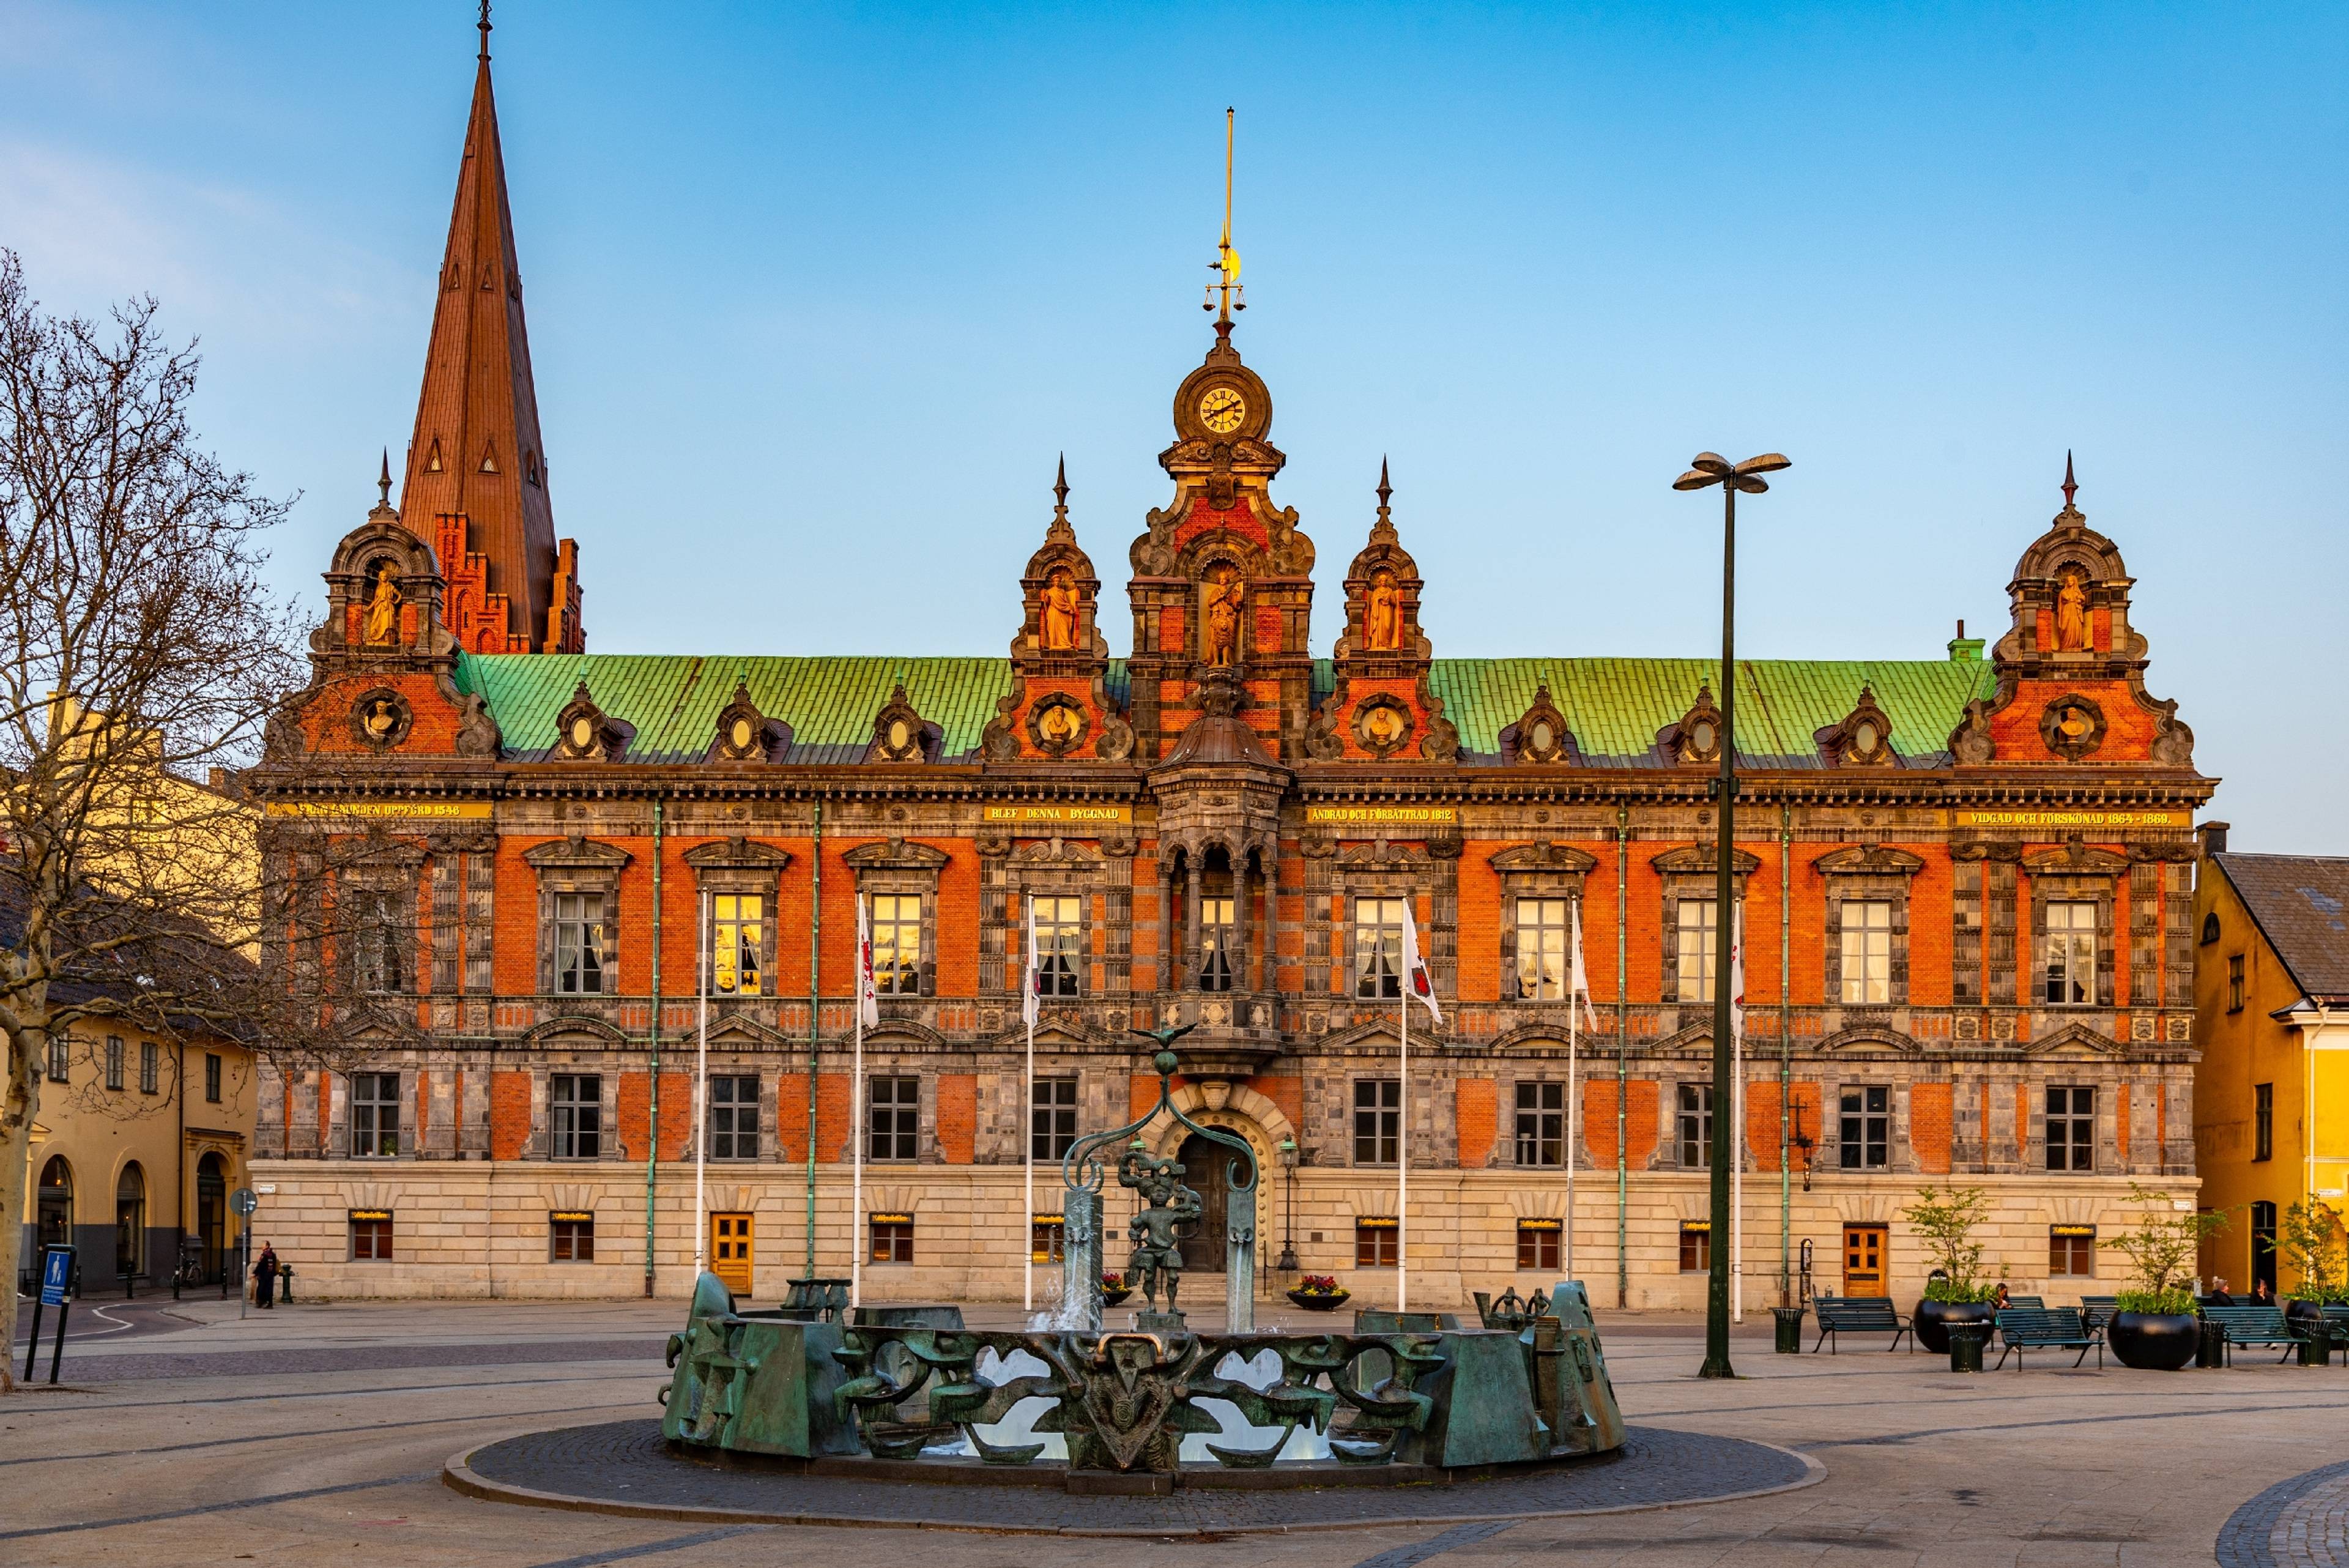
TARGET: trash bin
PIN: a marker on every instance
(1966, 1342)
(1790, 1330)
(2316, 1350)
(2211, 1351)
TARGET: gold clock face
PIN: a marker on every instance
(1222, 410)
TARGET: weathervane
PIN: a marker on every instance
(1227, 264)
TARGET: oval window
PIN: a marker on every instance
(741, 734)
(583, 732)
(1702, 734)
(899, 735)
(1543, 736)
(1865, 737)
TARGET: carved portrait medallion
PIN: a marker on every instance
(2073, 726)
(381, 719)
(1057, 725)
(1382, 724)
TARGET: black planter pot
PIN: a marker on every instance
(1932, 1320)
(2154, 1341)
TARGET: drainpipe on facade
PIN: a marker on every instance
(1786, 1053)
(1623, 1058)
(815, 1014)
(179, 1162)
(652, 1138)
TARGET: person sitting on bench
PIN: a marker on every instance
(2218, 1296)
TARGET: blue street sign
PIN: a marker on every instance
(56, 1269)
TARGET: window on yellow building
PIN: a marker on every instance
(2235, 983)
(2263, 1121)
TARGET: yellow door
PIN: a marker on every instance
(730, 1254)
(1863, 1262)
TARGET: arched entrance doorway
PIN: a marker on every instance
(130, 1220)
(212, 1213)
(55, 1210)
(1207, 1170)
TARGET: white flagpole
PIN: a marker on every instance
(858, 1241)
(701, 1098)
(1737, 1121)
(1028, 1201)
(1403, 1153)
(1573, 1076)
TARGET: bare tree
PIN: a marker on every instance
(140, 658)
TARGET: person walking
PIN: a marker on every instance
(264, 1278)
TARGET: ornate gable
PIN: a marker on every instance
(1696, 738)
(746, 735)
(1540, 735)
(585, 733)
(902, 736)
(1383, 705)
(1864, 737)
(1058, 705)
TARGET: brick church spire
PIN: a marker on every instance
(476, 486)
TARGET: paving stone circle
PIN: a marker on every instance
(624, 1467)
(2301, 1523)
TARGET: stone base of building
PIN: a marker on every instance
(513, 1229)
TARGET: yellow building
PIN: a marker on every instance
(2271, 1003)
(137, 1141)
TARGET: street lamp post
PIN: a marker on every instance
(1285, 1269)
(1708, 469)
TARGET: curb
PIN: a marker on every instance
(459, 1475)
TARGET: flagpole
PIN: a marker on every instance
(1737, 1125)
(1027, 1204)
(859, 1242)
(701, 1097)
(1403, 1155)
(1573, 1076)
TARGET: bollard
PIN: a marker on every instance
(1790, 1330)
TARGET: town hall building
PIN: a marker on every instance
(1965, 883)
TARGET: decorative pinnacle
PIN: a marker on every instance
(1227, 264)
(1061, 488)
(484, 25)
(383, 480)
(1385, 489)
(2071, 486)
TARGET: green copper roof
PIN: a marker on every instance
(1614, 706)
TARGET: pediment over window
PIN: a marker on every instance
(1376, 851)
(578, 852)
(739, 1029)
(1692, 857)
(737, 855)
(1869, 860)
(895, 855)
(578, 1028)
(1862, 1038)
(2075, 1037)
(1057, 852)
(2075, 859)
(1551, 857)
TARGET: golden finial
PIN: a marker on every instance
(1227, 264)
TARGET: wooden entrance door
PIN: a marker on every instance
(729, 1251)
(1864, 1274)
(1207, 1170)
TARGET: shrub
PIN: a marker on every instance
(1946, 1223)
(2309, 1237)
(2163, 1248)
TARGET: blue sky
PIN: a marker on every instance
(817, 296)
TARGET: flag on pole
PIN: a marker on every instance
(1416, 983)
(868, 995)
(1737, 975)
(1034, 987)
(1578, 984)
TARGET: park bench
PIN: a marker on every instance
(2262, 1325)
(2097, 1311)
(2046, 1328)
(1839, 1315)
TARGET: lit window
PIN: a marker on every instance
(1377, 948)
(1045, 1232)
(2070, 1129)
(575, 1114)
(375, 1114)
(371, 1235)
(1375, 1243)
(1052, 1117)
(1537, 1243)
(734, 1118)
(893, 1113)
(2071, 955)
(1867, 951)
(579, 943)
(1867, 1132)
(1541, 950)
(1541, 1124)
(2072, 1250)
(1218, 938)
(897, 944)
(1696, 1246)
(571, 1237)
(892, 1238)
(735, 943)
(1695, 950)
(1378, 1120)
(1695, 1117)
(1060, 938)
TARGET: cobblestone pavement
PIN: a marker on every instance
(2047, 1467)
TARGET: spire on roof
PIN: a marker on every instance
(478, 396)
(2071, 485)
(383, 489)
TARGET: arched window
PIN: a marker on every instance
(130, 1220)
(56, 1207)
(2209, 928)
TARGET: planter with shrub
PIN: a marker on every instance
(2153, 1327)
(1957, 1292)
(1319, 1292)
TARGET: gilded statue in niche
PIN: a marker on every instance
(2071, 614)
(1225, 590)
(383, 608)
(1382, 615)
(1059, 614)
